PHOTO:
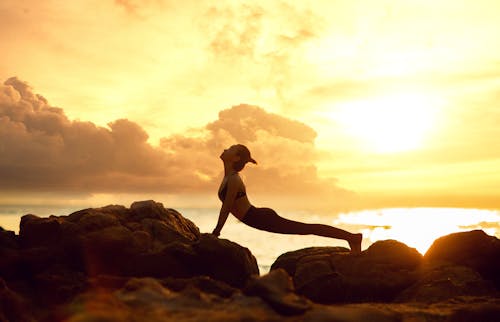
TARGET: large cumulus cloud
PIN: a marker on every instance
(42, 150)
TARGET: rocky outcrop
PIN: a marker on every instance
(149, 263)
(55, 257)
(148, 299)
(457, 265)
(443, 282)
(474, 249)
(332, 274)
(12, 306)
(276, 288)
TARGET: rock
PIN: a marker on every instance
(223, 260)
(108, 251)
(443, 282)
(9, 253)
(147, 262)
(95, 221)
(332, 274)
(352, 314)
(202, 284)
(170, 217)
(145, 240)
(276, 288)
(8, 239)
(483, 312)
(474, 249)
(147, 299)
(58, 285)
(35, 231)
(12, 306)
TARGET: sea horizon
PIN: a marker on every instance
(417, 227)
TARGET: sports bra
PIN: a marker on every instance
(223, 192)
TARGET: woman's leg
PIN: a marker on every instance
(268, 220)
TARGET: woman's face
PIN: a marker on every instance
(230, 154)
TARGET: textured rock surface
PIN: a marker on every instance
(145, 240)
(276, 288)
(442, 282)
(147, 299)
(53, 258)
(149, 263)
(332, 274)
(474, 249)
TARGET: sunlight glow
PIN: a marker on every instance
(389, 124)
(419, 227)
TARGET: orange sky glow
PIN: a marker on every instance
(346, 105)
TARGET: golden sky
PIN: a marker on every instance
(344, 104)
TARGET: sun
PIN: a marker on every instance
(390, 123)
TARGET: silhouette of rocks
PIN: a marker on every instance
(474, 249)
(12, 306)
(53, 258)
(276, 288)
(332, 274)
(149, 263)
(443, 282)
(148, 299)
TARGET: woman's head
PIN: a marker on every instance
(238, 155)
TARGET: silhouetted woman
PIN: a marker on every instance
(232, 193)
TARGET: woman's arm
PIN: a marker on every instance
(232, 188)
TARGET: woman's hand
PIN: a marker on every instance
(216, 233)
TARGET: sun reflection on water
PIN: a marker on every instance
(419, 227)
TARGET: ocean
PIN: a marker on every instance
(416, 227)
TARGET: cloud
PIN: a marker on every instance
(142, 8)
(268, 37)
(283, 147)
(483, 225)
(42, 150)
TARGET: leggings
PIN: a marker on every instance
(268, 220)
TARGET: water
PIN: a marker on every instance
(416, 227)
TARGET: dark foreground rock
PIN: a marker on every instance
(474, 249)
(148, 263)
(145, 240)
(147, 299)
(389, 271)
(332, 274)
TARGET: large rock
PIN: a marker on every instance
(9, 253)
(223, 260)
(276, 288)
(57, 254)
(474, 249)
(445, 282)
(147, 299)
(12, 306)
(333, 274)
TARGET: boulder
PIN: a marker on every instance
(147, 299)
(8, 239)
(276, 289)
(35, 231)
(445, 282)
(474, 249)
(333, 274)
(9, 253)
(12, 306)
(223, 260)
(145, 240)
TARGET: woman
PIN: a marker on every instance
(232, 193)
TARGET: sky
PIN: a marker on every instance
(344, 104)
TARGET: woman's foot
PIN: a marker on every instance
(355, 243)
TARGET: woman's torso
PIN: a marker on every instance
(241, 204)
